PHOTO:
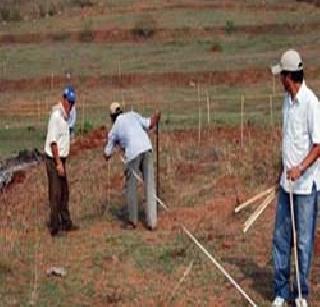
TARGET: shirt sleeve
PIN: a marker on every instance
(52, 135)
(143, 121)
(72, 118)
(313, 120)
(112, 139)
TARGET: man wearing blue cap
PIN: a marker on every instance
(57, 149)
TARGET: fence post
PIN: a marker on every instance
(38, 104)
(242, 111)
(208, 107)
(199, 126)
(83, 101)
(271, 110)
(273, 85)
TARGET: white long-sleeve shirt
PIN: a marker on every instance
(301, 129)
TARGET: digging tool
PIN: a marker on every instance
(299, 300)
(158, 164)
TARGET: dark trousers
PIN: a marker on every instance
(58, 191)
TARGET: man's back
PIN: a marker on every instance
(129, 131)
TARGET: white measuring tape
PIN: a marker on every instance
(205, 251)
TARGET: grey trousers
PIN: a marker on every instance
(144, 164)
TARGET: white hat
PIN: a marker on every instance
(290, 61)
(114, 107)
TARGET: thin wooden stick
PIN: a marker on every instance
(199, 126)
(208, 107)
(213, 260)
(258, 212)
(219, 266)
(181, 280)
(271, 111)
(242, 119)
(253, 199)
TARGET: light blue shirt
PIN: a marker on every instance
(129, 132)
(72, 117)
(301, 129)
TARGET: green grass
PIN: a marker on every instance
(103, 59)
(14, 140)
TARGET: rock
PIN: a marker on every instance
(56, 271)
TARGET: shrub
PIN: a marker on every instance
(10, 14)
(145, 27)
(82, 3)
(229, 27)
(87, 126)
(86, 35)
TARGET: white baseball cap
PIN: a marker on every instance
(290, 61)
(115, 107)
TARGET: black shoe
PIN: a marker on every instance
(130, 225)
(54, 232)
(150, 228)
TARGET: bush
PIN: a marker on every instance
(145, 27)
(82, 3)
(87, 127)
(229, 27)
(86, 35)
(216, 47)
(10, 14)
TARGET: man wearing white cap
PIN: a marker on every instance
(300, 150)
(129, 131)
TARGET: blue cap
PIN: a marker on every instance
(70, 94)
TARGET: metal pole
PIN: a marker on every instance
(295, 247)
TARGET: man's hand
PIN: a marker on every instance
(60, 169)
(155, 119)
(107, 157)
(294, 173)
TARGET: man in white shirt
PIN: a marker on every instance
(129, 131)
(57, 150)
(300, 150)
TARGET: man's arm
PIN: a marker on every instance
(111, 141)
(295, 172)
(55, 155)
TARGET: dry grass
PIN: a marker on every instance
(106, 263)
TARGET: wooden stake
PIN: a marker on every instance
(271, 110)
(208, 107)
(257, 213)
(241, 124)
(273, 85)
(253, 199)
(199, 126)
(181, 280)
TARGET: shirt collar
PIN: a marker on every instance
(63, 111)
(298, 96)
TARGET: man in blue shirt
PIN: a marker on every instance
(129, 131)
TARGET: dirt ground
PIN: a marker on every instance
(110, 264)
